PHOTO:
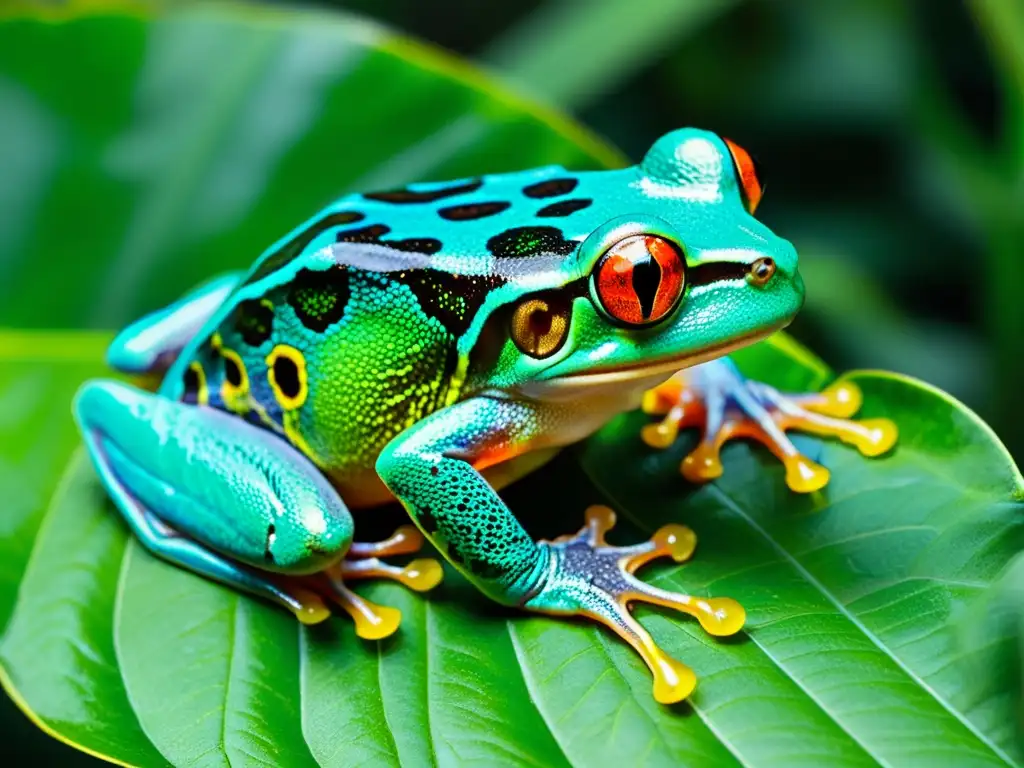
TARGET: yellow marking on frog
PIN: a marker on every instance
(236, 397)
(296, 399)
(290, 401)
(457, 380)
(202, 391)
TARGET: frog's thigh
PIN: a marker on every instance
(232, 488)
(150, 345)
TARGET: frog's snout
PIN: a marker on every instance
(798, 285)
(778, 272)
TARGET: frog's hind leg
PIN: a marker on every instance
(148, 346)
(213, 494)
(716, 398)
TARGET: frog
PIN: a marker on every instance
(433, 343)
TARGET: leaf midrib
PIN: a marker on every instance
(428, 652)
(229, 680)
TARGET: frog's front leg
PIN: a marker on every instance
(211, 493)
(717, 398)
(433, 469)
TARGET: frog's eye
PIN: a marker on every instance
(640, 280)
(540, 324)
(746, 170)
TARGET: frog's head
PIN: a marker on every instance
(682, 274)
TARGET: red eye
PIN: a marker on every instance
(746, 169)
(640, 280)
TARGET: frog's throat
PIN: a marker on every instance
(652, 369)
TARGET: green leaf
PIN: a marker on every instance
(854, 652)
(544, 51)
(37, 438)
(57, 652)
(227, 689)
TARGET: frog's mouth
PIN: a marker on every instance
(651, 369)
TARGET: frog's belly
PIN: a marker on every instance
(364, 489)
(568, 422)
(360, 488)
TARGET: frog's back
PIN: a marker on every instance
(360, 322)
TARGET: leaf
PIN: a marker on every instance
(227, 690)
(58, 653)
(849, 593)
(855, 595)
(992, 636)
(544, 51)
(37, 439)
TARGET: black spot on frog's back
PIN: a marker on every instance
(564, 208)
(472, 211)
(408, 196)
(297, 244)
(530, 241)
(551, 187)
(375, 234)
(286, 375)
(453, 300)
(319, 296)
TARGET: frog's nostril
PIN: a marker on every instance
(761, 271)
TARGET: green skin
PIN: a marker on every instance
(369, 354)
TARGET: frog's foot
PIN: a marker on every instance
(362, 561)
(588, 577)
(716, 398)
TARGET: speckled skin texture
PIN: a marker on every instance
(400, 342)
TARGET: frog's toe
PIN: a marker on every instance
(406, 540)
(362, 561)
(373, 622)
(420, 575)
(718, 400)
(308, 607)
(827, 413)
(593, 579)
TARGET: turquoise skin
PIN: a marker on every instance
(431, 344)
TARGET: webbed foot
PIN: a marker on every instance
(362, 561)
(716, 398)
(588, 577)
